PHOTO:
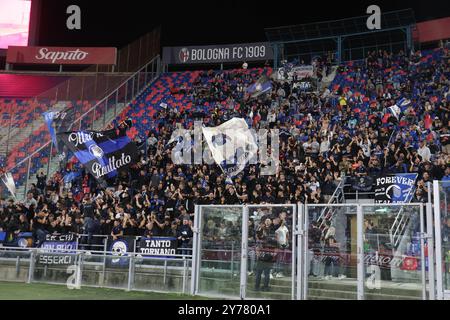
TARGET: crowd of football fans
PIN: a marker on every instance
(346, 129)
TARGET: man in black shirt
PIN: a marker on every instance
(40, 224)
(117, 230)
(184, 235)
(88, 208)
(230, 196)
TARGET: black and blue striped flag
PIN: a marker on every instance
(103, 153)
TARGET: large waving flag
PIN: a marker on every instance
(8, 180)
(232, 145)
(261, 86)
(395, 110)
(59, 121)
(395, 188)
(102, 153)
(181, 153)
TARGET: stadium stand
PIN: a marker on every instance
(27, 86)
(349, 127)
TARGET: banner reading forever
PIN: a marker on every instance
(396, 188)
(218, 53)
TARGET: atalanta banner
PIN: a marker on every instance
(157, 246)
(396, 188)
(299, 72)
(58, 249)
(103, 153)
(119, 251)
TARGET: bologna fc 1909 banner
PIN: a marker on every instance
(102, 153)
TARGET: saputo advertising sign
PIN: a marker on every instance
(218, 53)
(61, 55)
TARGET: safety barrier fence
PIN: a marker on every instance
(352, 258)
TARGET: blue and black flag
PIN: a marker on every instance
(59, 121)
(103, 153)
(261, 86)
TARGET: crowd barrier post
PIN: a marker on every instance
(431, 259)
(423, 236)
(165, 272)
(130, 272)
(185, 274)
(244, 253)
(360, 252)
(438, 243)
(31, 268)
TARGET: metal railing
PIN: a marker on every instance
(399, 226)
(96, 118)
(94, 269)
(336, 197)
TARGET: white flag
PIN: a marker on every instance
(232, 145)
(181, 153)
(8, 180)
(395, 111)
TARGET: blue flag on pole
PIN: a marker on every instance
(260, 87)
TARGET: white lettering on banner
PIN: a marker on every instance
(159, 251)
(82, 137)
(246, 52)
(396, 180)
(45, 54)
(157, 243)
(55, 259)
(210, 54)
(113, 164)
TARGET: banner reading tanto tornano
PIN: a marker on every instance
(218, 53)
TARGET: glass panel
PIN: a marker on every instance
(106, 271)
(269, 264)
(111, 107)
(99, 113)
(39, 163)
(15, 265)
(129, 90)
(136, 84)
(19, 173)
(87, 120)
(444, 190)
(142, 80)
(93, 270)
(121, 98)
(331, 260)
(54, 267)
(220, 251)
(168, 275)
(392, 252)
